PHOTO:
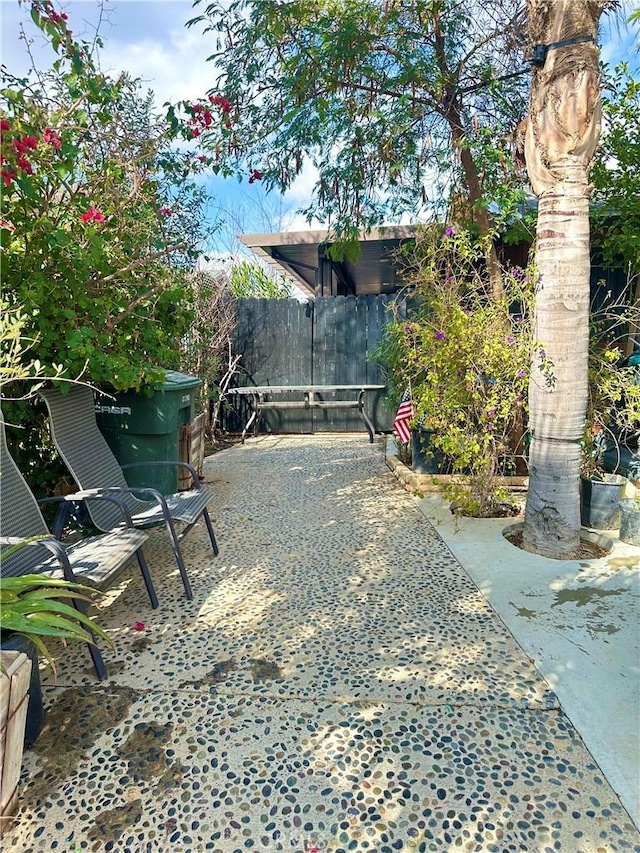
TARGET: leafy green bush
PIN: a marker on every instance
(465, 356)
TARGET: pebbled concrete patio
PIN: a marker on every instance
(338, 683)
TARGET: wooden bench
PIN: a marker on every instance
(264, 397)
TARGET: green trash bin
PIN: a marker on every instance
(141, 428)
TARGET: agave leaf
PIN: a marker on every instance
(23, 583)
(45, 624)
(52, 607)
(40, 646)
(18, 546)
(45, 594)
(6, 596)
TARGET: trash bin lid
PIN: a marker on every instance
(176, 381)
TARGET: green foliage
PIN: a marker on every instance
(16, 365)
(614, 391)
(466, 358)
(614, 386)
(615, 174)
(100, 218)
(30, 606)
(102, 221)
(250, 279)
(481, 497)
(384, 100)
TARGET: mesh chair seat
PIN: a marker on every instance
(94, 467)
(186, 507)
(96, 561)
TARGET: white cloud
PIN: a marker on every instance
(149, 40)
(174, 68)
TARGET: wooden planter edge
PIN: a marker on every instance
(424, 483)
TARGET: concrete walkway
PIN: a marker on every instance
(580, 624)
(338, 683)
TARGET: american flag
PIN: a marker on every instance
(403, 416)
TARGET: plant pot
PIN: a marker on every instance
(14, 699)
(629, 521)
(425, 459)
(35, 712)
(600, 501)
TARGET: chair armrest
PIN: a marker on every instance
(52, 545)
(190, 468)
(92, 495)
(135, 491)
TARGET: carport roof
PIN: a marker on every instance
(295, 253)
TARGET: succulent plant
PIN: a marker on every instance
(32, 606)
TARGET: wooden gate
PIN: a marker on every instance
(327, 341)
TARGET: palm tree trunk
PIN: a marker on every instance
(563, 130)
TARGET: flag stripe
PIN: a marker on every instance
(403, 416)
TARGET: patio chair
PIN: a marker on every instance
(95, 561)
(94, 467)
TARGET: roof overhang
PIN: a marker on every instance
(295, 254)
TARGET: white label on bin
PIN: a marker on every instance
(186, 398)
(112, 410)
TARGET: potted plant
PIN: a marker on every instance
(613, 412)
(31, 609)
(600, 491)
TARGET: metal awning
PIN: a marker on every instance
(301, 256)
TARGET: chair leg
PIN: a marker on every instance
(144, 568)
(98, 662)
(62, 514)
(94, 651)
(178, 555)
(212, 536)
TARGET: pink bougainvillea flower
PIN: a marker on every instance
(139, 626)
(24, 144)
(255, 175)
(52, 138)
(8, 226)
(4, 125)
(164, 211)
(92, 214)
(25, 165)
(221, 102)
(195, 132)
(8, 176)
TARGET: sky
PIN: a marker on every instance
(148, 38)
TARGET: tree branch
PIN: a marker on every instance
(131, 307)
(138, 262)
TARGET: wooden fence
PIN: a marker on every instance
(327, 341)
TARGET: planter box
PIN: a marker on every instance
(423, 483)
(14, 698)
